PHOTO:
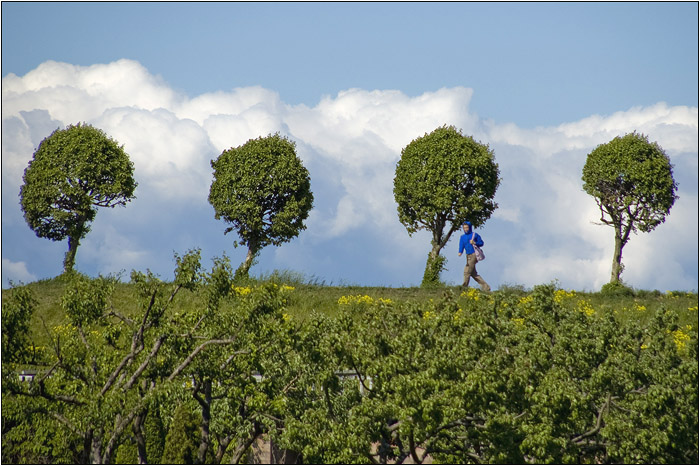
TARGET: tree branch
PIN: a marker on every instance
(124, 319)
(598, 424)
(230, 358)
(145, 363)
(194, 353)
(359, 376)
(119, 428)
(135, 350)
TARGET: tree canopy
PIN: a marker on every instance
(632, 182)
(542, 377)
(264, 191)
(74, 171)
(442, 179)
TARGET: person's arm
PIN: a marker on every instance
(477, 240)
(461, 245)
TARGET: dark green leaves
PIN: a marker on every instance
(262, 189)
(74, 171)
(85, 300)
(17, 310)
(632, 182)
(443, 179)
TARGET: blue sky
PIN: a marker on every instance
(542, 83)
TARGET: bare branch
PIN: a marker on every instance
(47, 396)
(598, 424)
(124, 319)
(67, 423)
(119, 428)
(135, 350)
(196, 351)
(48, 373)
(359, 376)
(145, 363)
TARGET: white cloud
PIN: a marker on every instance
(111, 250)
(81, 93)
(671, 127)
(16, 272)
(170, 155)
(350, 143)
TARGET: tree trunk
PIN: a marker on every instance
(205, 403)
(221, 450)
(436, 263)
(69, 261)
(622, 235)
(244, 444)
(617, 261)
(96, 449)
(137, 428)
(433, 266)
(243, 269)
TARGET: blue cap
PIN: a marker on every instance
(467, 223)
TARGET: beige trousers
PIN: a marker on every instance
(470, 271)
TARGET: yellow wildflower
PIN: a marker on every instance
(470, 293)
(345, 300)
(526, 300)
(365, 299)
(561, 295)
(585, 307)
(242, 291)
(680, 338)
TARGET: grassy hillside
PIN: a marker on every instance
(310, 296)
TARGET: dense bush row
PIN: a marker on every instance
(502, 378)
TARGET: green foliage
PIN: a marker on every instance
(508, 377)
(433, 268)
(85, 300)
(632, 182)
(442, 179)
(17, 311)
(264, 191)
(181, 441)
(126, 454)
(616, 289)
(489, 379)
(74, 171)
(156, 434)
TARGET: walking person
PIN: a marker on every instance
(466, 243)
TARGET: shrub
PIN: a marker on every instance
(617, 289)
(181, 441)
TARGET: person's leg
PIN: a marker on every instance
(484, 286)
(469, 269)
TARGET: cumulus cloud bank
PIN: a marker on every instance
(543, 230)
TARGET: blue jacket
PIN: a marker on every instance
(464, 242)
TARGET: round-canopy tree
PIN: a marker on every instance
(442, 179)
(264, 191)
(74, 171)
(632, 182)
